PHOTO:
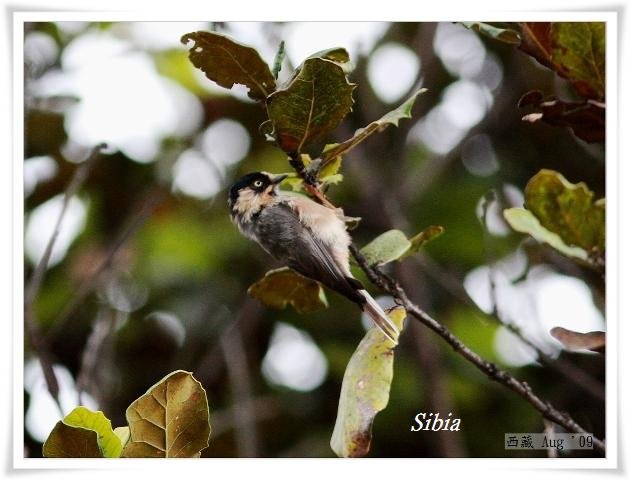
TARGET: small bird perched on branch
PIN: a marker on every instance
(310, 238)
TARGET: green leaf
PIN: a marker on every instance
(567, 209)
(228, 62)
(295, 182)
(311, 106)
(328, 176)
(579, 48)
(329, 173)
(390, 118)
(332, 167)
(424, 237)
(123, 434)
(506, 35)
(332, 179)
(83, 433)
(524, 221)
(170, 420)
(365, 390)
(96, 421)
(574, 50)
(283, 286)
(394, 245)
(277, 62)
(338, 55)
(385, 248)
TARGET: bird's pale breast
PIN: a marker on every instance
(329, 227)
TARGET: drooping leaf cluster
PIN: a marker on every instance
(563, 215)
(575, 51)
(557, 212)
(171, 420)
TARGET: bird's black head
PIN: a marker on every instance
(257, 183)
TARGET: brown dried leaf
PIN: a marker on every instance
(170, 420)
(594, 341)
(66, 441)
(282, 287)
(228, 62)
(587, 119)
(536, 41)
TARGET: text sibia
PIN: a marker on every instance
(427, 422)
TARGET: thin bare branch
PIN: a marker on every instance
(310, 183)
(76, 182)
(550, 432)
(92, 352)
(37, 341)
(241, 388)
(571, 372)
(266, 407)
(548, 411)
(146, 207)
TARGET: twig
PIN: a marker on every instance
(266, 407)
(240, 385)
(487, 200)
(550, 432)
(76, 182)
(230, 353)
(38, 342)
(579, 378)
(210, 365)
(102, 328)
(570, 371)
(452, 285)
(391, 286)
(147, 205)
(310, 182)
(43, 355)
(431, 363)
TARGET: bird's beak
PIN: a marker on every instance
(278, 178)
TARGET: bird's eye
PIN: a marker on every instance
(258, 183)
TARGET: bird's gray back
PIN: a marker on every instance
(279, 231)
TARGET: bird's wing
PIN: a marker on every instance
(294, 243)
(281, 233)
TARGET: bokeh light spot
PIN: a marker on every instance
(43, 413)
(294, 360)
(226, 142)
(41, 224)
(194, 176)
(392, 70)
(36, 170)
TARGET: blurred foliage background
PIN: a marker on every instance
(148, 274)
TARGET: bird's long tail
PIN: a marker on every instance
(379, 317)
